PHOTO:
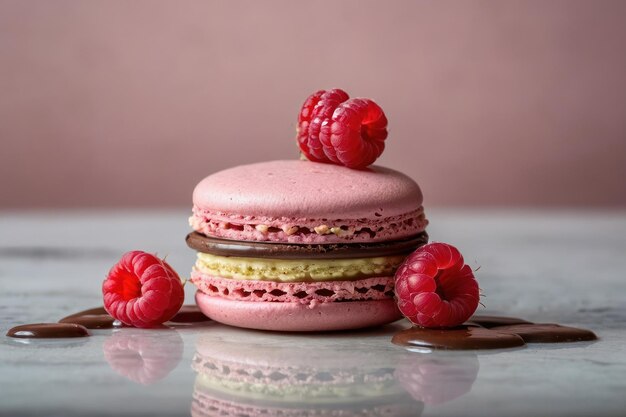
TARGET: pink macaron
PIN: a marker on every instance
(303, 246)
(306, 202)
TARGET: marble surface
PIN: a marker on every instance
(553, 266)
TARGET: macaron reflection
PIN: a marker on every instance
(283, 377)
(141, 356)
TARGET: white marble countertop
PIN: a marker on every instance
(565, 267)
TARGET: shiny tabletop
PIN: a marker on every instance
(545, 266)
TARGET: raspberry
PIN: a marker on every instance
(141, 290)
(334, 128)
(434, 287)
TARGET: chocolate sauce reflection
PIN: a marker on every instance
(490, 332)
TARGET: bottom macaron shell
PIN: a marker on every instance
(295, 317)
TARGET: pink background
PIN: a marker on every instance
(130, 103)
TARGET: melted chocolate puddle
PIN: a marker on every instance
(48, 331)
(547, 333)
(458, 338)
(76, 325)
(90, 312)
(94, 318)
(492, 321)
(189, 314)
(491, 332)
(101, 321)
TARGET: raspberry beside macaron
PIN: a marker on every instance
(142, 290)
(435, 288)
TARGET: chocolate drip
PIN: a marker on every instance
(491, 332)
(492, 321)
(547, 333)
(189, 314)
(90, 312)
(102, 321)
(48, 331)
(458, 338)
(93, 318)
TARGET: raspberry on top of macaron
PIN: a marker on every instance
(334, 128)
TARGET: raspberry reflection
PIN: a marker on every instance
(141, 356)
(437, 379)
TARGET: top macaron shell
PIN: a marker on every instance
(284, 194)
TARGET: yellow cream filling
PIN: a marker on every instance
(288, 270)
